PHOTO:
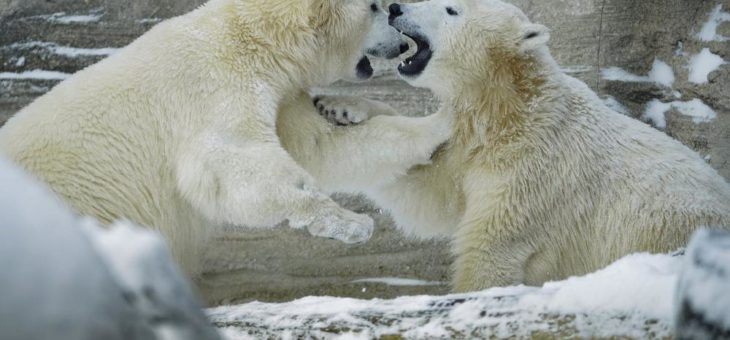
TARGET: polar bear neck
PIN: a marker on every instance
(287, 48)
(493, 108)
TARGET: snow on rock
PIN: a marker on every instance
(397, 281)
(63, 18)
(655, 113)
(632, 297)
(701, 64)
(661, 73)
(572, 69)
(615, 105)
(35, 74)
(75, 19)
(696, 109)
(708, 32)
(65, 50)
(703, 294)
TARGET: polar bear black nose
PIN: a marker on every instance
(394, 10)
(403, 48)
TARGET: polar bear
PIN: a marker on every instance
(177, 131)
(540, 179)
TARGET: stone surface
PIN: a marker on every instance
(588, 36)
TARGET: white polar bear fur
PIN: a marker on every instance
(177, 131)
(540, 180)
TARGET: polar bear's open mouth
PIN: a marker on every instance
(364, 68)
(415, 64)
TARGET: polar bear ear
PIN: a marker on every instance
(534, 36)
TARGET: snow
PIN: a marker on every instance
(696, 109)
(66, 50)
(149, 20)
(69, 19)
(75, 52)
(709, 29)
(619, 74)
(35, 74)
(576, 69)
(615, 301)
(63, 18)
(20, 62)
(661, 73)
(615, 105)
(395, 281)
(654, 113)
(701, 64)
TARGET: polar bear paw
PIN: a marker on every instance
(343, 225)
(342, 110)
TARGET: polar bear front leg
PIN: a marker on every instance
(365, 156)
(257, 184)
(489, 254)
(350, 110)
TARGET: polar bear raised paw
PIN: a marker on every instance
(349, 110)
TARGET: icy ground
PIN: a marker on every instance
(633, 298)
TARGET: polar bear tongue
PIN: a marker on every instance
(364, 68)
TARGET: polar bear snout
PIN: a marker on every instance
(394, 12)
(383, 41)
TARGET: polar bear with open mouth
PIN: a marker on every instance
(178, 131)
(540, 180)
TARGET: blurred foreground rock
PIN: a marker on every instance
(67, 279)
(703, 294)
(589, 38)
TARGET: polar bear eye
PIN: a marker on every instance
(451, 11)
(374, 7)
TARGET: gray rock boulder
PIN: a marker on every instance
(703, 293)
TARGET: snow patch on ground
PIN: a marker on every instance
(615, 105)
(661, 73)
(66, 50)
(396, 281)
(616, 301)
(709, 29)
(64, 18)
(571, 69)
(72, 19)
(702, 64)
(149, 20)
(35, 74)
(639, 283)
(699, 111)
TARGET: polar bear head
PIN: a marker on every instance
(328, 39)
(462, 42)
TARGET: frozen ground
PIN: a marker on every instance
(633, 298)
